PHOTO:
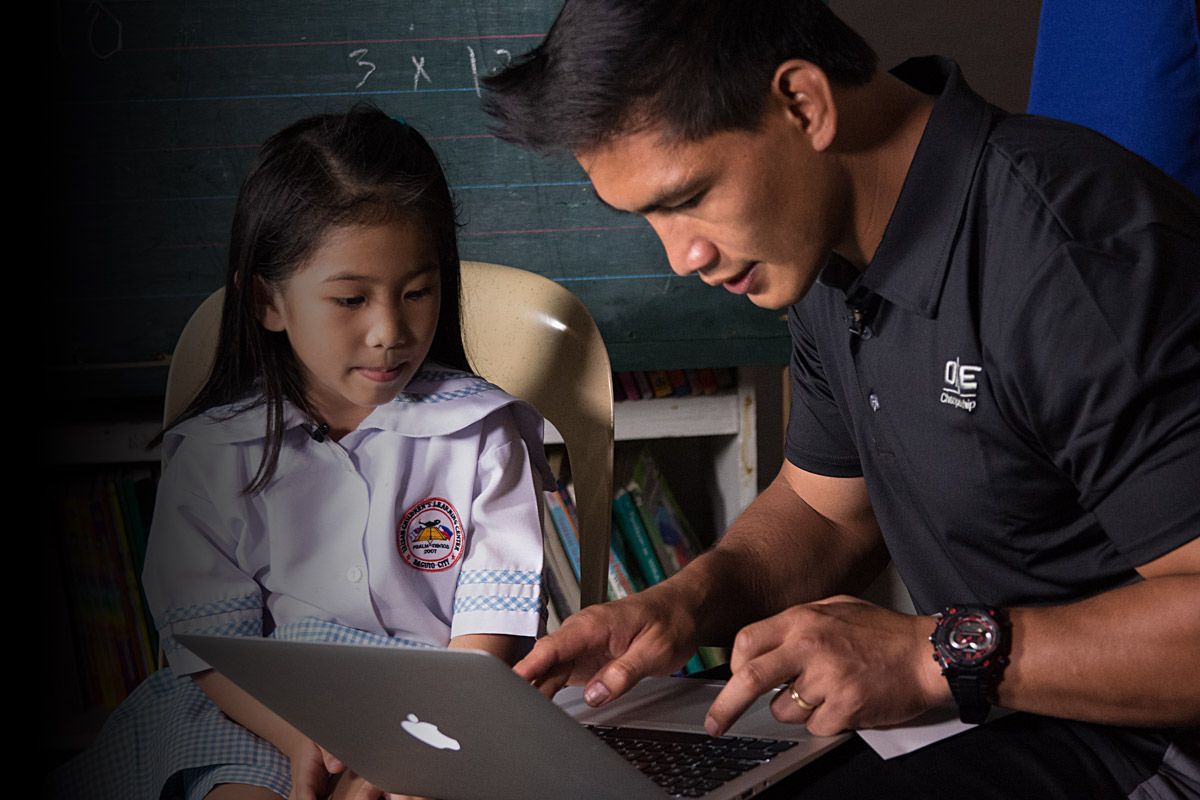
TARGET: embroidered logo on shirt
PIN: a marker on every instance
(430, 536)
(962, 385)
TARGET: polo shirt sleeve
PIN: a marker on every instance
(1102, 359)
(192, 578)
(818, 439)
(499, 585)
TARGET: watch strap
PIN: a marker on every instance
(972, 692)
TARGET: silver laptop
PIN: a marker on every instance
(460, 725)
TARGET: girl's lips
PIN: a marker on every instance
(741, 284)
(381, 375)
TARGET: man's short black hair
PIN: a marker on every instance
(694, 67)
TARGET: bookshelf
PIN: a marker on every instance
(729, 419)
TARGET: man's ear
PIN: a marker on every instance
(268, 306)
(801, 90)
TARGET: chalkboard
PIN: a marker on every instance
(161, 106)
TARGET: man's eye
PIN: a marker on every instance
(350, 302)
(691, 202)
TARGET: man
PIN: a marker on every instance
(995, 377)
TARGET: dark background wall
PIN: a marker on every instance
(155, 110)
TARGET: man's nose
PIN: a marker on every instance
(687, 253)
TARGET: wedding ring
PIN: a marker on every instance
(800, 701)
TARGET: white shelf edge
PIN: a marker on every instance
(671, 418)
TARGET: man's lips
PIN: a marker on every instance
(740, 283)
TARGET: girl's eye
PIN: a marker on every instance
(350, 302)
(419, 294)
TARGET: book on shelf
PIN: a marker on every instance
(565, 527)
(643, 385)
(637, 539)
(659, 382)
(629, 386)
(651, 384)
(99, 546)
(663, 519)
(562, 587)
(679, 383)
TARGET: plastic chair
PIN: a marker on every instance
(533, 339)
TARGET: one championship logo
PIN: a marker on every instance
(962, 385)
(430, 536)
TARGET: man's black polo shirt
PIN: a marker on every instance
(1024, 396)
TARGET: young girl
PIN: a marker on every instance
(340, 477)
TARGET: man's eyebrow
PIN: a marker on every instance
(664, 201)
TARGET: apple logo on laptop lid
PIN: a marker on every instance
(428, 733)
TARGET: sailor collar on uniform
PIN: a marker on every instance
(909, 267)
(243, 421)
(438, 401)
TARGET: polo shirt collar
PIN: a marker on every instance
(909, 267)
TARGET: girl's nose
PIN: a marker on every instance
(388, 330)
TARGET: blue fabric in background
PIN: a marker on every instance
(1129, 69)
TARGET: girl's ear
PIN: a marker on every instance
(268, 306)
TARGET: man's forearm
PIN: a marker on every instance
(1128, 656)
(778, 553)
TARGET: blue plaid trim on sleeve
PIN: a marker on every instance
(311, 629)
(479, 387)
(246, 602)
(493, 603)
(244, 627)
(522, 577)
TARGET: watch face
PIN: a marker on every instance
(972, 637)
(966, 637)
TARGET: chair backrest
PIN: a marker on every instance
(528, 335)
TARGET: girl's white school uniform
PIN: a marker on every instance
(422, 524)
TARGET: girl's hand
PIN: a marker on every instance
(350, 786)
(315, 771)
(310, 771)
(353, 787)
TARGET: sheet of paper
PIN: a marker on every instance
(934, 725)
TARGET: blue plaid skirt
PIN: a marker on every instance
(169, 740)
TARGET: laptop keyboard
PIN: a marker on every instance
(689, 764)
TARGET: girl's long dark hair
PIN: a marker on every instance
(361, 167)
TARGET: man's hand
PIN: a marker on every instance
(856, 664)
(612, 646)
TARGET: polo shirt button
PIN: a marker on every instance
(354, 574)
(873, 399)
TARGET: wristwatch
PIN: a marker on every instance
(972, 644)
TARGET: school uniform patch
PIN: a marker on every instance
(430, 536)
